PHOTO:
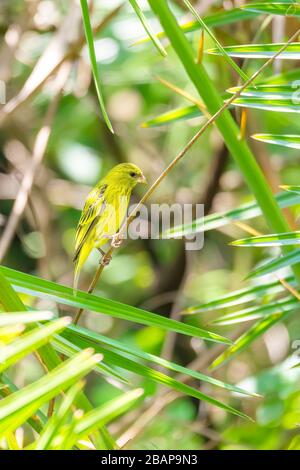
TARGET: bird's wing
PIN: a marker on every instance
(93, 209)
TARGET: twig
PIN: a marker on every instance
(39, 150)
(167, 170)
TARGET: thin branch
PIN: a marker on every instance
(190, 144)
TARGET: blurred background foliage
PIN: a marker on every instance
(156, 275)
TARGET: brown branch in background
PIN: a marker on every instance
(189, 145)
(38, 154)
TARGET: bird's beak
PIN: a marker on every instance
(142, 180)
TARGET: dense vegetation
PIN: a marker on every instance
(173, 348)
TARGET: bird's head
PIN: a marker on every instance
(127, 175)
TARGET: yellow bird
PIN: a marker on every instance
(104, 211)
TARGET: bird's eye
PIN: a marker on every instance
(133, 174)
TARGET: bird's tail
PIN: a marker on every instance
(79, 260)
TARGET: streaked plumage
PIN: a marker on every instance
(104, 210)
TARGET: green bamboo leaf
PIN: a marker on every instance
(106, 413)
(215, 20)
(292, 141)
(204, 26)
(253, 313)
(240, 296)
(214, 221)
(45, 289)
(148, 28)
(18, 407)
(276, 8)
(151, 374)
(280, 239)
(179, 114)
(251, 335)
(268, 91)
(11, 302)
(285, 260)
(90, 43)
(13, 318)
(293, 189)
(261, 51)
(282, 78)
(296, 365)
(69, 349)
(51, 430)
(93, 338)
(278, 105)
(30, 341)
(38, 421)
(280, 97)
(10, 333)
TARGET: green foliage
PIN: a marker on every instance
(159, 320)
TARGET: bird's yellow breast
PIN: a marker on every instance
(111, 219)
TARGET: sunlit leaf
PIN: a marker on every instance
(293, 189)
(30, 341)
(188, 112)
(215, 20)
(215, 221)
(16, 408)
(261, 51)
(253, 313)
(46, 289)
(285, 77)
(69, 349)
(280, 239)
(95, 338)
(24, 317)
(272, 92)
(240, 296)
(276, 8)
(292, 141)
(51, 429)
(281, 97)
(251, 335)
(277, 105)
(10, 332)
(124, 362)
(285, 260)
(104, 414)
(148, 28)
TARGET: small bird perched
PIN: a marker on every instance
(104, 211)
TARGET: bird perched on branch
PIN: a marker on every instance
(103, 213)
